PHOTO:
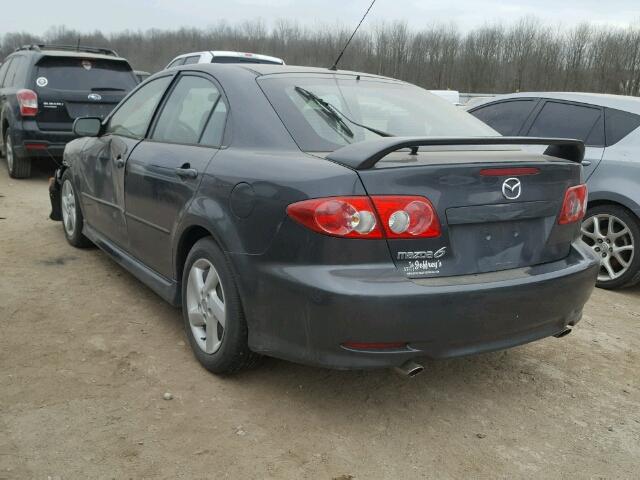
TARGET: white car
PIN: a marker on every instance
(222, 56)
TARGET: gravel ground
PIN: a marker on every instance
(87, 354)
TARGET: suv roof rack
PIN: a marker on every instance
(71, 48)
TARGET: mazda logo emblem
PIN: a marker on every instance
(511, 188)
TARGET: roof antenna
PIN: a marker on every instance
(335, 64)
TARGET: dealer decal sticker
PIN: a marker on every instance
(42, 81)
(425, 262)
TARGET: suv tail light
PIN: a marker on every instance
(360, 217)
(28, 100)
(574, 205)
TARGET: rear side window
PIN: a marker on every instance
(9, 73)
(3, 70)
(176, 63)
(88, 75)
(192, 60)
(187, 111)
(133, 117)
(619, 124)
(564, 120)
(17, 73)
(506, 117)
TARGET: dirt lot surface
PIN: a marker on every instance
(87, 353)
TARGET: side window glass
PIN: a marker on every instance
(214, 130)
(14, 78)
(8, 79)
(133, 117)
(506, 117)
(177, 62)
(3, 71)
(619, 124)
(191, 60)
(562, 120)
(187, 110)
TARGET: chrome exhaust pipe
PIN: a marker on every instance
(563, 333)
(409, 369)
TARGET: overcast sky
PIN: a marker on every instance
(36, 16)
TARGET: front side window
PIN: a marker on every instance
(506, 117)
(391, 107)
(133, 117)
(191, 60)
(187, 111)
(564, 120)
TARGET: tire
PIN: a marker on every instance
(18, 166)
(214, 302)
(72, 218)
(613, 232)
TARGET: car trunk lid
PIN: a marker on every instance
(486, 226)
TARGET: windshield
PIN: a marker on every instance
(367, 107)
(97, 75)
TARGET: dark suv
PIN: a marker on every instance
(44, 88)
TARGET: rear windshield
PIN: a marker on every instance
(393, 108)
(243, 60)
(84, 74)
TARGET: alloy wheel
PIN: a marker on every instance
(613, 241)
(9, 149)
(205, 306)
(69, 218)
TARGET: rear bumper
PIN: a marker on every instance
(305, 313)
(31, 141)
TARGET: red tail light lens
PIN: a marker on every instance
(351, 217)
(357, 217)
(574, 206)
(407, 216)
(28, 100)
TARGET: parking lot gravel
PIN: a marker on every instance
(97, 381)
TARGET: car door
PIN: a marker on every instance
(102, 169)
(165, 170)
(507, 117)
(5, 114)
(571, 120)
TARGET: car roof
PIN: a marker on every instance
(67, 54)
(230, 53)
(619, 102)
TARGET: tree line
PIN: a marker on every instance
(525, 56)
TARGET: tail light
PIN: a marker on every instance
(407, 216)
(28, 100)
(574, 205)
(392, 216)
(351, 217)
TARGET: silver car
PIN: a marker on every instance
(609, 127)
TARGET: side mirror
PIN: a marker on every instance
(87, 127)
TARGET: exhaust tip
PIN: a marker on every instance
(563, 333)
(409, 369)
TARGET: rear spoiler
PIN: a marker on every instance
(364, 155)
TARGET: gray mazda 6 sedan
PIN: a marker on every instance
(609, 126)
(331, 218)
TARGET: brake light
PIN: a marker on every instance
(574, 205)
(407, 216)
(509, 172)
(357, 217)
(28, 100)
(351, 217)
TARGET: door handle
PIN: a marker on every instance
(586, 163)
(119, 161)
(187, 173)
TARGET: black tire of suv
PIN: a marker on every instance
(77, 239)
(21, 166)
(234, 354)
(632, 276)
